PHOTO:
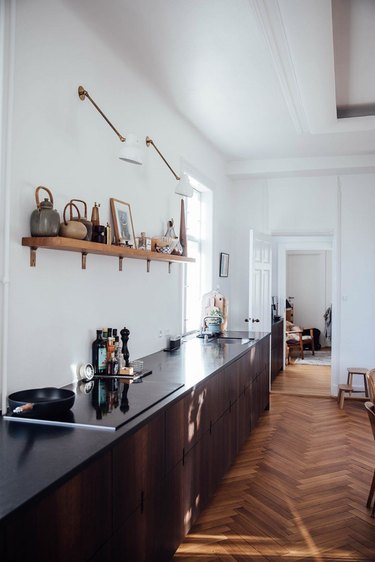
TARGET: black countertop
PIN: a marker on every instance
(36, 458)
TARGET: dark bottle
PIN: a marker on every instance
(112, 365)
(117, 348)
(99, 354)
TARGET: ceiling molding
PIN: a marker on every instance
(289, 167)
(269, 19)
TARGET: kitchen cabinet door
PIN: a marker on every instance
(244, 419)
(2, 545)
(277, 344)
(138, 468)
(232, 377)
(186, 422)
(222, 446)
(71, 523)
(141, 538)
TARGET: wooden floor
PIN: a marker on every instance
(304, 380)
(297, 491)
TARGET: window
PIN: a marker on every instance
(197, 276)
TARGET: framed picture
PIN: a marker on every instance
(224, 265)
(122, 223)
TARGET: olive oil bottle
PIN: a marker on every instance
(99, 354)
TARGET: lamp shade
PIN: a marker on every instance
(131, 150)
(184, 187)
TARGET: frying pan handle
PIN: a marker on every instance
(25, 408)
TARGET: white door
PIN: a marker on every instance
(260, 282)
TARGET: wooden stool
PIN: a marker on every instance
(341, 395)
(357, 371)
(348, 387)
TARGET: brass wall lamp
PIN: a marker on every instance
(184, 186)
(130, 151)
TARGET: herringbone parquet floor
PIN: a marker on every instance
(297, 491)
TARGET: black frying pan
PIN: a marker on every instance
(41, 401)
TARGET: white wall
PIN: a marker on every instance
(63, 143)
(309, 282)
(285, 205)
(302, 205)
(339, 206)
(357, 271)
(248, 210)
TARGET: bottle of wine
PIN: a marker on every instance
(99, 354)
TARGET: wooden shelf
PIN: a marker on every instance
(84, 248)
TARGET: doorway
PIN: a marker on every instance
(303, 284)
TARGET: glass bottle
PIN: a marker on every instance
(99, 354)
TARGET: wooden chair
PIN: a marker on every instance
(296, 340)
(371, 414)
(370, 377)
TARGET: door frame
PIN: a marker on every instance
(324, 242)
(7, 69)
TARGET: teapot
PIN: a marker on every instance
(44, 220)
(72, 228)
(84, 220)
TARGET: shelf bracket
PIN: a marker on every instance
(148, 266)
(120, 263)
(33, 256)
(84, 254)
(169, 266)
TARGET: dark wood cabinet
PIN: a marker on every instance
(277, 348)
(138, 468)
(72, 523)
(138, 500)
(187, 421)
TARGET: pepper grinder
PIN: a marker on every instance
(95, 214)
(125, 338)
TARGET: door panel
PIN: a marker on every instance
(260, 282)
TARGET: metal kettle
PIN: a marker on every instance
(44, 220)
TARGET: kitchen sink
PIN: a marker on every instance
(234, 340)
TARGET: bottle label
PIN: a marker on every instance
(102, 359)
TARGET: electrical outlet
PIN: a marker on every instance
(160, 333)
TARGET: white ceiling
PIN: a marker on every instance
(255, 77)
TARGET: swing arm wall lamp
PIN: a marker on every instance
(184, 186)
(150, 141)
(130, 152)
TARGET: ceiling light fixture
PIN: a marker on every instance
(130, 151)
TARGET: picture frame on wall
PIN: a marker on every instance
(224, 265)
(122, 223)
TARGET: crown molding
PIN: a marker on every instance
(271, 24)
(312, 166)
